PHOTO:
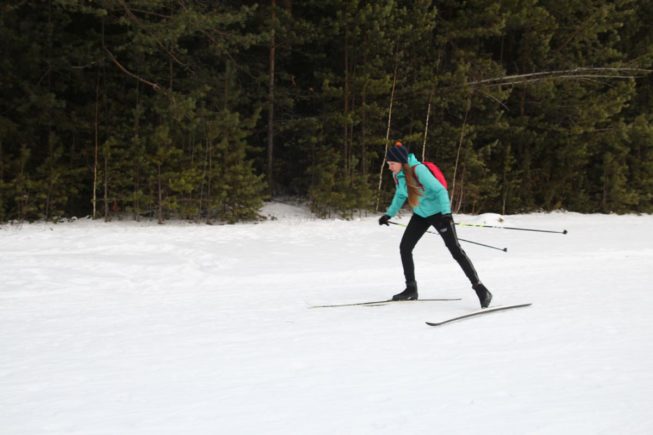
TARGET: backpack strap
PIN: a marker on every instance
(435, 171)
(415, 175)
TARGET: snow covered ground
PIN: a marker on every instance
(136, 328)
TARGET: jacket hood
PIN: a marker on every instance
(412, 160)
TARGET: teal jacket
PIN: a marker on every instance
(434, 198)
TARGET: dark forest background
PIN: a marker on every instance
(200, 110)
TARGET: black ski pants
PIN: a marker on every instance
(447, 230)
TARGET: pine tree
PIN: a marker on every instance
(161, 109)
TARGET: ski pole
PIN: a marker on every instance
(481, 244)
(511, 228)
(462, 240)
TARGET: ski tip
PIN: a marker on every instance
(479, 312)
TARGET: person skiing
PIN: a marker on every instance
(431, 207)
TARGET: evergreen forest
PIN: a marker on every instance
(201, 110)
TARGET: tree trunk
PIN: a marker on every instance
(506, 182)
(50, 158)
(426, 127)
(345, 151)
(350, 136)
(23, 196)
(137, 172)
(105, 153)
(96, 128)
(364, 132)
(387, 135)
(2, 179)
(209, 185)
(461, 195)
(460, 144)
(106, 182)
(160, 194)
(205, 165)
(273, 49)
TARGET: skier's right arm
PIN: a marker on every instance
(401, 194)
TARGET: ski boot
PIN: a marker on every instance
(409, 294)
(484, 295)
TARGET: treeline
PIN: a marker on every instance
(200, 110)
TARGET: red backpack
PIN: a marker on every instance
(437, 173)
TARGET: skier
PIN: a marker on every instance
(430, 203)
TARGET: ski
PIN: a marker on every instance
(479, 312)
(387, 301)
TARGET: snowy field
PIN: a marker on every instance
(135, 328)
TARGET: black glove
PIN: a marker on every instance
(383, 220)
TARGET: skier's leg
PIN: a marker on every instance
(447, 229)
(414, 231)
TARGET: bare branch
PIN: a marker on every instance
(154, 14)
(131, 74)
(492, 97)
(576, 73)
(88, 65)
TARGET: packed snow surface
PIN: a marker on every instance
(138, 328)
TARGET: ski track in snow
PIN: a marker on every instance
(137, 328)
